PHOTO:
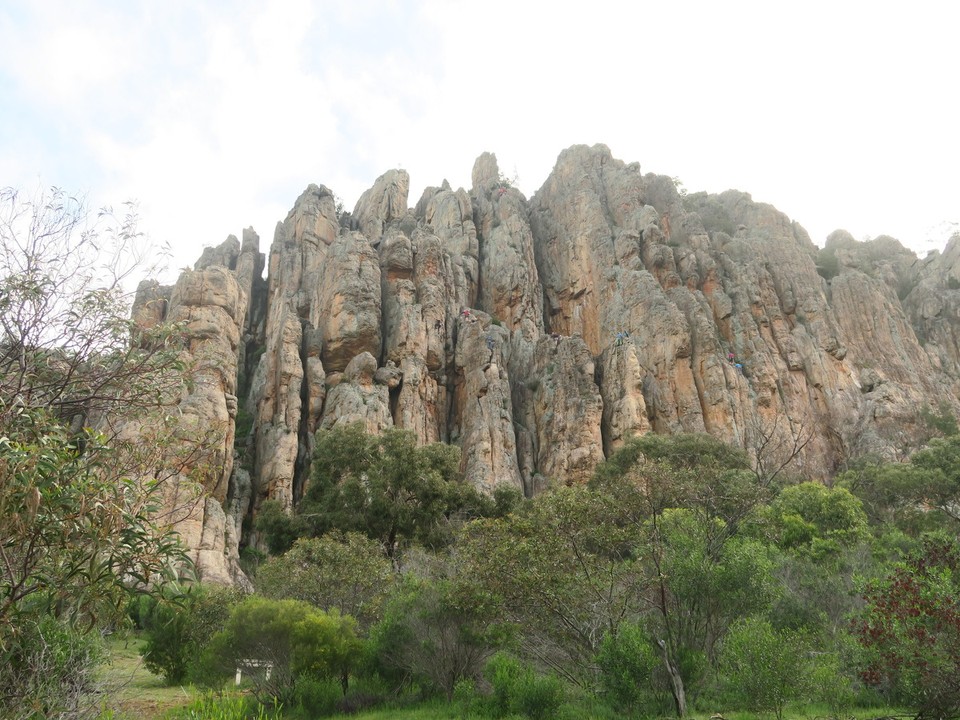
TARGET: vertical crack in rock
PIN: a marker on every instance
(540, 335)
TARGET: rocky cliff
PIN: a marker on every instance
(539, 334)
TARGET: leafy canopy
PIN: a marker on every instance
(388, 488)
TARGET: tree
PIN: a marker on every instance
(436, 631)
(387, 487)
(776, 445)
(178, 624)
(628, 665)
(766, 667)
(68, 344)
(688, 496)
(565, 570)
(811, 511)
(347, 572)
(922, 494)
(910, 628)
(294, 637)
(80, 527)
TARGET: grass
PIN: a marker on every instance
(440, 710)
(131, 690)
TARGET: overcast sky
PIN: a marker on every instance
(216, 115)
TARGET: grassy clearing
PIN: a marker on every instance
(454, 711)
(131, 690)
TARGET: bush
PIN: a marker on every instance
(537, 696)
(830, 685)
(765, 666)
(219, 707)
(435, 633)
(48, 669)
(910, 630)
(627, 664)
(344, 571)
(313, 697)
(519, 690)
(293, 636)
(177, 627)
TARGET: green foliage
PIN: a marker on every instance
(436, 633)
(340, 571)
(713, 214)
(177, 626)
(517, 689)
(314, 697)
(66, 341)
(939, 464)
(387, 488)
(831, 681)
(49, 669)
(766, 666)
(223, 707)
(563, 570)
(684, 451)
(76, 538)
(706, 586)
(279, 528)
(688, 496)
(918, 496)
(941, 420)
(828, 265)
(910, 630)
(80, 530)
(628, 666)
(811, 511)
(293, 636)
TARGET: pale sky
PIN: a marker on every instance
(216, 115)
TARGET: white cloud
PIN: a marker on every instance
(216, 117)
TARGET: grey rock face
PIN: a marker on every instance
(539, 335)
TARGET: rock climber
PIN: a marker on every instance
(490, 342)
(438, 325)
(730, 358)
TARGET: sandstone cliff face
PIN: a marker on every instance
(539, 335)
(205, 496)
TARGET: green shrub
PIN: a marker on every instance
(47, 669)
(627, 664)
(435, 633)
(537, 696)
(830, 685)
(764, 666)
(828, 265)
(517, 689)
(178, 626)
(344, 571)
(279, 528)
(502, 672)
(220, 707)
(296, 638)
(315, 697)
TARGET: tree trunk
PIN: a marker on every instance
(676, 681)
